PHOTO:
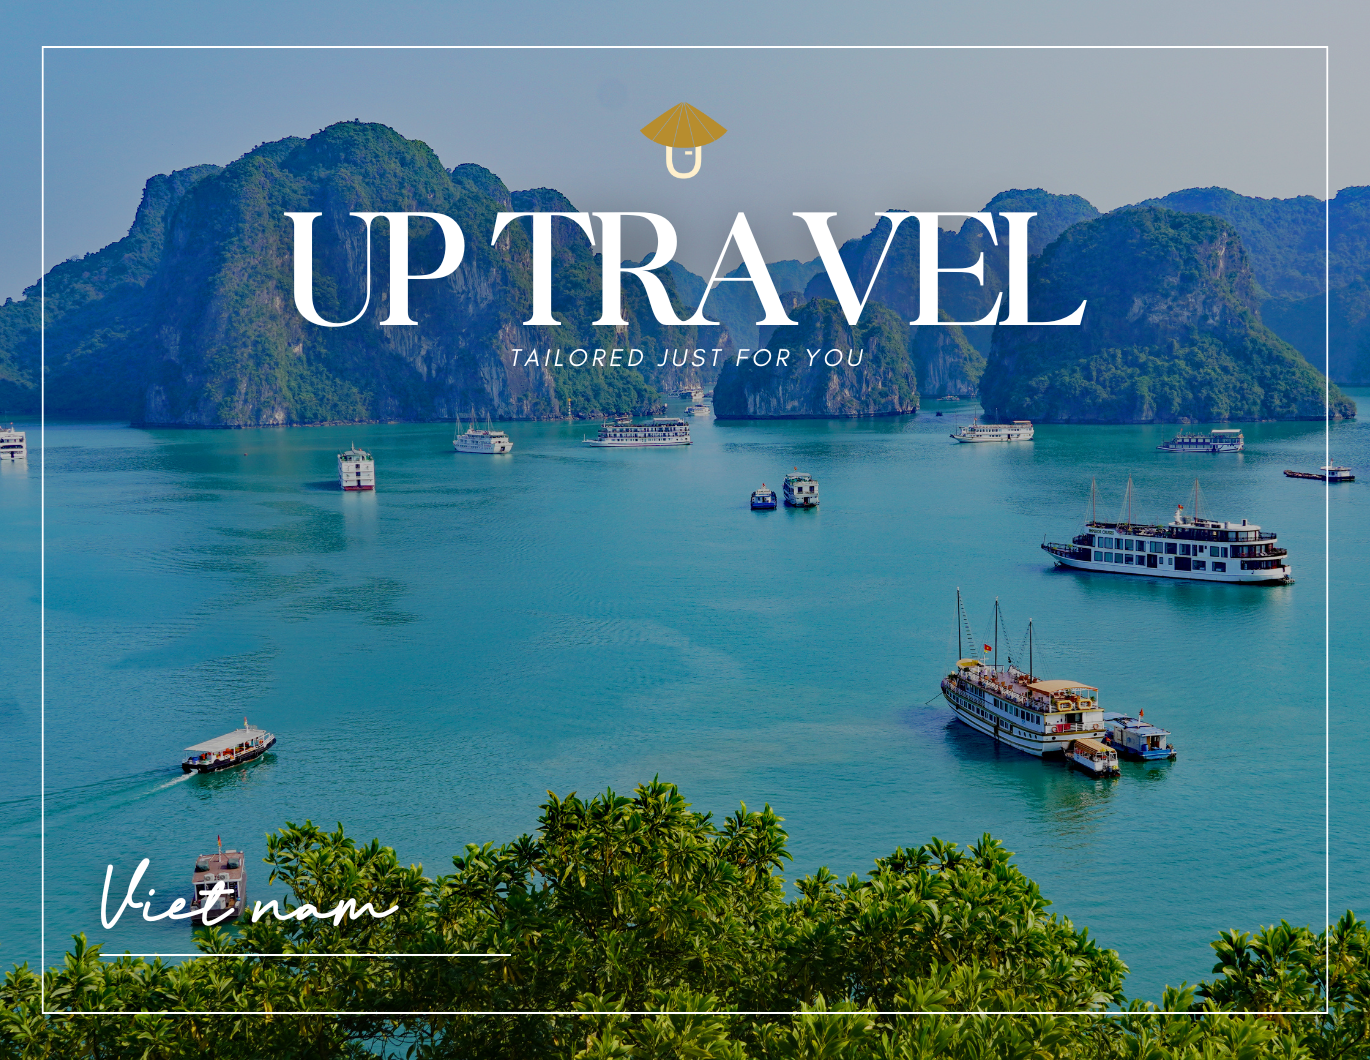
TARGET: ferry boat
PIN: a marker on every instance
(1041, 718)
(12, 444)
(663, 430)
(1093, 758)
(1134, 738)
(1227, 440)
(227, 870)
(1326, 473)
(697, 410)
(229, 750)
(763, 500)
(481, 441)
(356, 470)
(1189, 547)
(1017, 431)
(695, 394)
(801, 490)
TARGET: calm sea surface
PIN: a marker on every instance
(436, 655)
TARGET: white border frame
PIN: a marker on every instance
(42, 435)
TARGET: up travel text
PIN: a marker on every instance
(611, 244)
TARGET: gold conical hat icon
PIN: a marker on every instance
(683, 126)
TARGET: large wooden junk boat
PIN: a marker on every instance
(1190, 547)
(475, 440)
(219, 886)
(1015, 707)
(229, 750)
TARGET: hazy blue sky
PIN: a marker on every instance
(854, 132)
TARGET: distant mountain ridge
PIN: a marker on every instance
(189, 319)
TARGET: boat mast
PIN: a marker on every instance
(1093, 498)
(1029, 651)
(1129, 500)
(996, 632)
(958, 623)
(1196, 497)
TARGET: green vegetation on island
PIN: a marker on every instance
(1171, 332)
(637, 927)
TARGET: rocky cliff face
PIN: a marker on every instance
(833, 369)
(1171, 332)
(946, 363)
(191, 320)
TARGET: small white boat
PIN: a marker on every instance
(12, 444)
(1228, 440)
(763, 500)
(229, 750)
(356, 470)
(1017, 431)
(489, 440)
(697, 410)
(1093, 757)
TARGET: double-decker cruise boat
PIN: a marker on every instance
(1017, 431)
(1015, 707)
(12, 444)
(229, 750)
(801, 490)
(480, 441)
(1227, 440)
(1189, 547)
(697, 410)
(356, 470)
(663, 430)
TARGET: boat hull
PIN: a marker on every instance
(215, 767)
(1063, 556)
(1089, 770)
(1039, 745)
(357, 489)
(633, 445)
(1320, 478)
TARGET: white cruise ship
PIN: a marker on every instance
(1189, 547)
(356, 470)
(12, 444)
(1228, 440)
(475, 440)
(1017, 431)
(697, 410)
(663, 430)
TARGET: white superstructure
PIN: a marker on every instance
(356, 470)
(663, 430)
(1188, 547)
(697, 410)
(1227, 440)
(1033, 716)
(801, 490)
(481, 441)
(1017, 431)
(13, 445)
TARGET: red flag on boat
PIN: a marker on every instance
(988, 648)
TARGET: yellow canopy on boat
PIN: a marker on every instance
(1052, 687)
(683, 126)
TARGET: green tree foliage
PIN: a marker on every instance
(637, 927)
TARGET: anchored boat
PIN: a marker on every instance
(663, 430)
(1326, 473)
(763, 500)
(356, 470)
(1226, 440)
(1017, 431)
(1014, 706)
(1189, 547)
(13, 444)
(1134, 738)
(1093, 757)
(801, 490)
(229, 750)
(697, 410)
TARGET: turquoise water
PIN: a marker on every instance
(436, 655)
